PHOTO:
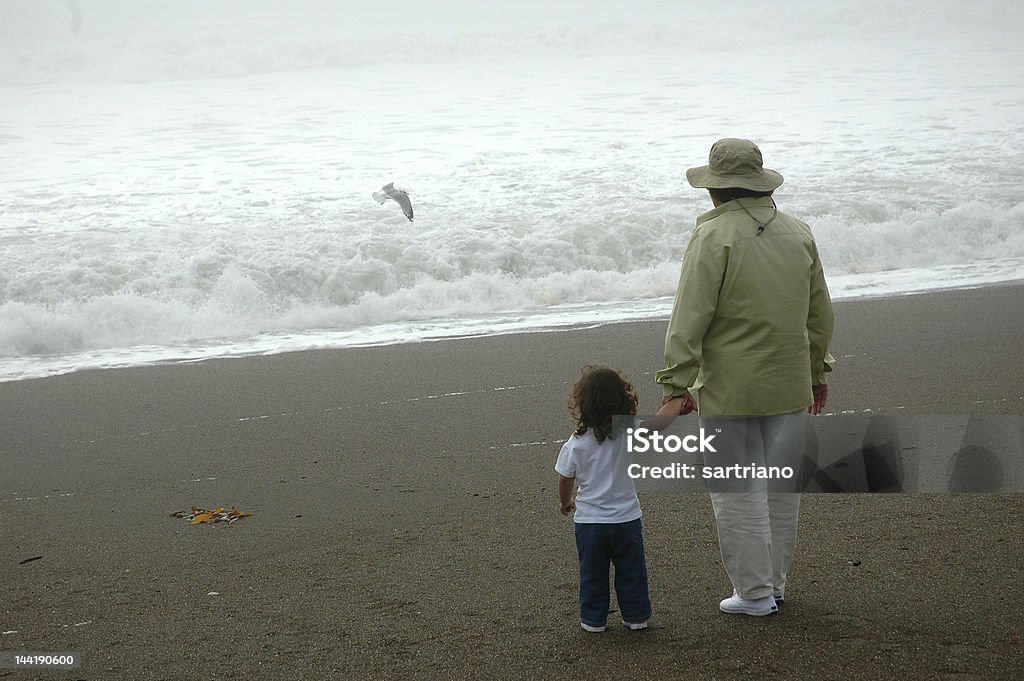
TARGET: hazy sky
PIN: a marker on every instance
(19, 18)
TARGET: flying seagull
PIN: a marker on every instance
(399, 196)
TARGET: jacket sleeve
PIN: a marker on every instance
(820, 323)
(696, 299)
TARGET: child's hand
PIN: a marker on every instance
(673, 406)
(680, 405)
(568, 507)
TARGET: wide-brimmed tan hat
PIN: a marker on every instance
(734, 163)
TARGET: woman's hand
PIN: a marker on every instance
(820, 398)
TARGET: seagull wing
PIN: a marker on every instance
(399, 196)
(403, 200)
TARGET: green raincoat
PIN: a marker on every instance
(752, 320)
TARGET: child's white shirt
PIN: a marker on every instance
(606, 492)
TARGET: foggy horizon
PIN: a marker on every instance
(28, 19)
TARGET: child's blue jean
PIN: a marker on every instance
(621, 544)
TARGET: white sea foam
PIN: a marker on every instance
(207, 192)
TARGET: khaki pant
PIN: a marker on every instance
(757, 518)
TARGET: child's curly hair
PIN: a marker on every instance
(599, 394)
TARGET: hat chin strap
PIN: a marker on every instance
(760, 226)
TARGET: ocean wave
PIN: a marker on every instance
(142, 289)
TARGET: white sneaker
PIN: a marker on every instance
(593, 630)
(757, 607)
(636, 626)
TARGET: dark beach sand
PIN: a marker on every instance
(406, 523)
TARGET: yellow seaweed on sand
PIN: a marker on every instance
(199, 516)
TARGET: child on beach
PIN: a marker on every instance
(607, 520)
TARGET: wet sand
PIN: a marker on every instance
(405, 518)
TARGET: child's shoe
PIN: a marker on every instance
(592, 629)
(636, 626)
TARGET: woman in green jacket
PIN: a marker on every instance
(748, 346)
